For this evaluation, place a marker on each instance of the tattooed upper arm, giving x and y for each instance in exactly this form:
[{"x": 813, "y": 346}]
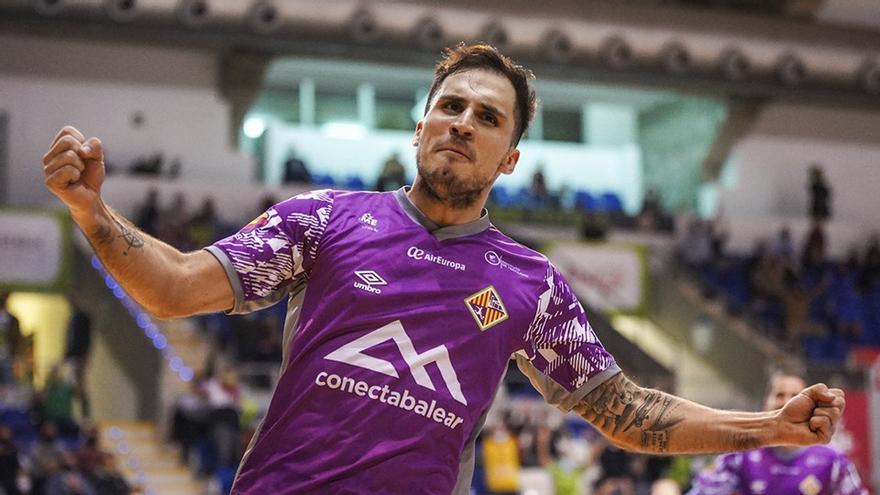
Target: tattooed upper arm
[{"x": 632, "y": 416}]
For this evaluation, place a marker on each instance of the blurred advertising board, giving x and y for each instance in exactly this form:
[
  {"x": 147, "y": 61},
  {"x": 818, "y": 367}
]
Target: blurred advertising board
[
  {"x": 34, "y": 250},
  {"x": 610, "y": 277}
]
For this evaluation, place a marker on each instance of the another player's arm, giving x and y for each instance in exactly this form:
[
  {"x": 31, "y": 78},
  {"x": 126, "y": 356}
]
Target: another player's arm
[
  {"x": 165, "y": 281},
  {"x": 650, "y": 421}
]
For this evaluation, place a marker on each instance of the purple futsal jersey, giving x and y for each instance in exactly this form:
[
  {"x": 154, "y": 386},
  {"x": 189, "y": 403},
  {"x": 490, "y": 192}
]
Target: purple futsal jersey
[
  {"x": 397, "y": 337},
  {"x": 815, "y": 470}
]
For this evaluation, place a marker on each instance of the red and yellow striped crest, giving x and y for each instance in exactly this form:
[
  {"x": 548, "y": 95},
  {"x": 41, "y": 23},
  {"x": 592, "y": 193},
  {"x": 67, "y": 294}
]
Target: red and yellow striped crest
[{"x": 486, "y": 308}]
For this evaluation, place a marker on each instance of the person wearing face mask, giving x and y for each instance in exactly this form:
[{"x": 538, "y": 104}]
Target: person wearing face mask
[{"x": 783, "y": 470}]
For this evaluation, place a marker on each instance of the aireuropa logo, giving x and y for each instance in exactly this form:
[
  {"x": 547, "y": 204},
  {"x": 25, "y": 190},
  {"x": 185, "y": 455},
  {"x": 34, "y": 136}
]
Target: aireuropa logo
[
  {"x": 353, "y": 354},
  {"x": 370, "y": 279},
  {"x": 420, "y": 254}
]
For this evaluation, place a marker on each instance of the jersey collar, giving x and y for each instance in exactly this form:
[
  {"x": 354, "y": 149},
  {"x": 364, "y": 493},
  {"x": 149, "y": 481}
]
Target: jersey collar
[{"x": 441, "y": 233}]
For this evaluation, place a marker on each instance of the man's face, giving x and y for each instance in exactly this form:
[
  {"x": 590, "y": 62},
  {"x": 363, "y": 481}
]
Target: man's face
[
  {"x": 465, "y": 140},
  {"x": 782, "y": 388}
]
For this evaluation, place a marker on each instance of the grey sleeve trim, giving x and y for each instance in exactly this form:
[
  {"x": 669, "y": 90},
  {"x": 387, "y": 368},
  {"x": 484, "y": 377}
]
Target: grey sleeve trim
[
  {"x": 554, "y": 393},
  {"x": 234, "y": 281}
]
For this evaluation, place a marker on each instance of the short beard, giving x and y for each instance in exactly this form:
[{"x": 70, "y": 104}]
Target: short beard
[{"x": 447, "y": 189}]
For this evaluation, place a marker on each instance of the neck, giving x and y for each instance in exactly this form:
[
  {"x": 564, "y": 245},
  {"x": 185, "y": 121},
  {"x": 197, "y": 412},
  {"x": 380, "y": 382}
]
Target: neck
[{"x": 440, "y": 213}]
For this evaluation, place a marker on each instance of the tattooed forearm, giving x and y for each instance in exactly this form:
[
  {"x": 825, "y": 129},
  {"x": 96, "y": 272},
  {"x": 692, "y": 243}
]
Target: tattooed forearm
[
  {"x": 651, "y": 421},
  {"x": 620, "y": 408}
]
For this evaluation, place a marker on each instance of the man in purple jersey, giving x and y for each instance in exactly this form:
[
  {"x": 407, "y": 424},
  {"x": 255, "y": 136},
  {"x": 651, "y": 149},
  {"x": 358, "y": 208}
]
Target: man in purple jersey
[
  {"x": 788, "y": 470},
  {"x": 404, "y": 309}
]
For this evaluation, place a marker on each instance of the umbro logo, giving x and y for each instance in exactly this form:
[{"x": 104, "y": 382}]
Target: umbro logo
[{"x": 369, "y": 280}]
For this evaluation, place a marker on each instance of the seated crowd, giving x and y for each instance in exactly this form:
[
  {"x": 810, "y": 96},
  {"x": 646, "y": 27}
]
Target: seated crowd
[
  {"x": 44, "y": 450},
  {"x": 803, "y": 300}
]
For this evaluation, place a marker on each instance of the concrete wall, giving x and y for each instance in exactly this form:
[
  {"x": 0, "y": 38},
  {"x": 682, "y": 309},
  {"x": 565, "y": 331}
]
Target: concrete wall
[{"x": 99, "y": 87}]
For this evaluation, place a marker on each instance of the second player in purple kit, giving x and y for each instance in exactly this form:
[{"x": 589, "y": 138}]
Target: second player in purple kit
[
  {"x": 813, "y": 470},
  {"x": 404, "y": 309}
]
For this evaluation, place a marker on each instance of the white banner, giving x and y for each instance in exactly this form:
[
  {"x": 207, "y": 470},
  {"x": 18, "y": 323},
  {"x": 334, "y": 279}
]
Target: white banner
[
  {"x": 31, "y": 248},
  {"x": 608, "y": 277}
]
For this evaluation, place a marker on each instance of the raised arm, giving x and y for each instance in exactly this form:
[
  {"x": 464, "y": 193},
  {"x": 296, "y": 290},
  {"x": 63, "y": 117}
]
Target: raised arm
[
  {"x": 165, "y": 281},
  {"x": 654, "y": 422}
]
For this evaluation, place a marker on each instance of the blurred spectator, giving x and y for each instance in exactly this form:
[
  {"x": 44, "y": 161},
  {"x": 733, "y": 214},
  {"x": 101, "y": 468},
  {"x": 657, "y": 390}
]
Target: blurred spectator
[
  {"x": 813, "y": 253},
  {"x": 651, "y": 216},
  {"x": 766, "y": 275},
  {"x": 564, "y": 468},
  {"x": 845, "y": 299},
  {"x": 783, "y": 246},
  {"x": 89, "y": 457},
  {"x": 54, "y": 404},
  {"x": 594, "y": 225},
  {"x": 151, "y": 165},
  {"x": 798, "y": 298},
  {"x": 296, "y": 170},
  {"x": 696, "y": 246},
  {"x": 172, "y": 226},
  {"x": 869, "y": 277},
  {"x": 79, "y": 342},
  {"x": 10, "y": 338},
  {"x": 189, "y": 424},
  {"x": 47, "y": 457},
  {"x": 69, "y": 482},
  {"x": 108, "y": 479},
  {"x": 267, "y": 347},
  {"x": 10, "y": 468},
  {"x": 147, "y": 217},
  {"x": 266, "y": 202},
  {"x": 616, "y": 478},
  {"x": 224, "y": 397},
  {"x": 820, "y": 195},
  {"x": 501, "y": 460},
  {"x": 204, "y": 227},
  {"x": 538, "y": 189},
  {"x": 393, "y": 175},
  {"x": 174, "y": 168}
]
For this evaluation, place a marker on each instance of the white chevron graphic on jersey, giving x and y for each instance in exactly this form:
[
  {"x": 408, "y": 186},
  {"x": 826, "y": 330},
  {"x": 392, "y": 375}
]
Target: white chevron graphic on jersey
[{"x": 352, "y": 354}]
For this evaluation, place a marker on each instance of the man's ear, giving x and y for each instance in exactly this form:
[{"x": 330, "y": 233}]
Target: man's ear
[
  {"x": 509, "y": 163},
  {"x": 419, "y": 126}
]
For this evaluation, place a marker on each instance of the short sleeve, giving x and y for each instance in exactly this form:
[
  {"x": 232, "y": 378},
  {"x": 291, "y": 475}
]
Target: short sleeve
[
  {"x": 276, "y": 250},
  {"x": 721, "y": 478},
  {"x": 561, "y": 354}
]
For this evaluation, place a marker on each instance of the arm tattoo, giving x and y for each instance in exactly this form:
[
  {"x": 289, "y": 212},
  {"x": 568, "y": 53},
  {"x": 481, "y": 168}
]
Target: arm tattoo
[
  {"x": 131, "y": 238},
  {"x": 104, "y": 236},
  {"x": 619, "y": 406}
]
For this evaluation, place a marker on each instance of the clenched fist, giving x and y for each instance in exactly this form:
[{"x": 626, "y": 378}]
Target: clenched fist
[
  {"x": 74, "y": 169},
  {"x": 812, "y": 415}
]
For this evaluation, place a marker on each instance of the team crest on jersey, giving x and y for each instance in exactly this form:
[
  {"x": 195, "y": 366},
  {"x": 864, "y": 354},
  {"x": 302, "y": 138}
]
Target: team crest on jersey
[
  {"x": 486, "y": 308},
  {"x": 810, "y": 485}
]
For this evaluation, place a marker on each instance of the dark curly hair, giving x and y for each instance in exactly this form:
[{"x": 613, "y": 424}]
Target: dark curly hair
[{"x": 481, "y": 56}]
